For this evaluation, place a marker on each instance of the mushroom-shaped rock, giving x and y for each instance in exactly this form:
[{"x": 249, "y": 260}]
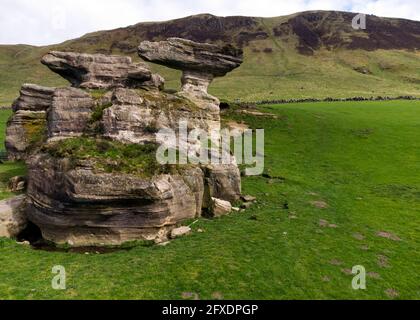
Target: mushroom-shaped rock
[
  {"x": 200, "y": 62},
  {"x": 97, "y": 71}
]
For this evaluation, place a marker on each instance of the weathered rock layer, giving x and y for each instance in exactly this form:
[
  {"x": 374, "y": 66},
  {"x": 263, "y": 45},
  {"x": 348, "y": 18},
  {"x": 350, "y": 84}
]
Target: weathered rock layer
[{"x": 83, "y": 207}]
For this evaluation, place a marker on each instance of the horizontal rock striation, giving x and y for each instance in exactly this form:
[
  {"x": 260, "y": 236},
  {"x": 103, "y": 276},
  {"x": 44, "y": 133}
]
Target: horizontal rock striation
[
  {"x": 185, "y": 54},
  {"x": 81, "y": 206},
  {"x": 33, "y": 98},
  {"x": 71, "y": 109}
]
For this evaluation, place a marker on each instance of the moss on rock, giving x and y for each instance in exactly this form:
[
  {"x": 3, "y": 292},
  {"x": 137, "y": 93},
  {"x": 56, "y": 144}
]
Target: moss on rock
[
  {"x": 167, "y": 101},
  {"x": 111, "y": 156},
  {"x": 35, "y": 132}
]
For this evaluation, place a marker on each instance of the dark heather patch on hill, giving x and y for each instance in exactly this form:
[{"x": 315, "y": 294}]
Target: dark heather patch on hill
[
  {"x": 309, "y": 40},
  {"x": 199, "y": 28},
  {"x": 334, "y": 30},
  {"x": 388, "y": 34}
]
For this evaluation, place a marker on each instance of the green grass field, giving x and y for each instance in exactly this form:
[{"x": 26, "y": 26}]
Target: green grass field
[{"x": 360, "y": 159}]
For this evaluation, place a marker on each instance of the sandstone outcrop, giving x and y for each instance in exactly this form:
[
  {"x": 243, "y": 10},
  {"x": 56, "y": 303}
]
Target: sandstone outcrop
[
  {"x": 93, "y": 177},
  {"x": 98, "y": 71},
  {"x": 24, "y": 130},
  {"x": 33, "y": 98}
]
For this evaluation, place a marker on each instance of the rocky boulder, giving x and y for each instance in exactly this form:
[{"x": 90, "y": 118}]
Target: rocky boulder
[
  {"x": 98, "y": 71},
  {"x": 220, "y": 207},
  {"x": 179, "y": 232},
  {"x": 25, "y": 129},
  {"x": 222, "y": 181},
  {"x": 12, "y": 216}
]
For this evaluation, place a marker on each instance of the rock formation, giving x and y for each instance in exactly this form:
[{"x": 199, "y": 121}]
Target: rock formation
[
  {"x": 93, "y": 177},
  {"x": 84, "y": 206},
  {"x": 98, "y": 71}
]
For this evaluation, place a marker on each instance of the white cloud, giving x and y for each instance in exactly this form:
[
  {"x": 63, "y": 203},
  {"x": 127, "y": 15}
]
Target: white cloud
[{"x": 50, "y": 21}]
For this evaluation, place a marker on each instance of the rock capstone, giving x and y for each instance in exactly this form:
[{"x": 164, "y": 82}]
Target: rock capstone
[
  {"x": 98, "y": 71},
  {"x": 200, "y": 62},
  {"x": 33, "y": 98}
]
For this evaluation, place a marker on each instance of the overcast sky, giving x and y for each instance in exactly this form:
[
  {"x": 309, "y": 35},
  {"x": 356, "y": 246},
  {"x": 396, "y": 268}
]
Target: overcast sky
[{"x": 44, "y": 22}]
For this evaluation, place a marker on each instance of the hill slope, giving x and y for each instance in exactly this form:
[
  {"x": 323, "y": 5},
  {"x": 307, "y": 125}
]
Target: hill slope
[{"x": 310, "y": 54}]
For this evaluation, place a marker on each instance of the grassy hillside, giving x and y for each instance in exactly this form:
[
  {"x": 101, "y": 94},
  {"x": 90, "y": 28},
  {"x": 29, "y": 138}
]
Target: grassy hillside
[
  {"x": 337, "y": 174},
  {"x": 306, "y": 55}
]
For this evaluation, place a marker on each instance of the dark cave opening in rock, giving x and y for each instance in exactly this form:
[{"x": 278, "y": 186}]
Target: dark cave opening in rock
[{"x": 31, "y": 233}]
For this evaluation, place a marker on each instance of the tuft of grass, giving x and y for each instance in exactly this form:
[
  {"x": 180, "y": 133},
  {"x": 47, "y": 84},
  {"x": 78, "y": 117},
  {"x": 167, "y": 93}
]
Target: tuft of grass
[
  {"x": 36, "y": 132},
  {"x": 99, "y": 111},
  {"x": 97, "y": 93}
]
